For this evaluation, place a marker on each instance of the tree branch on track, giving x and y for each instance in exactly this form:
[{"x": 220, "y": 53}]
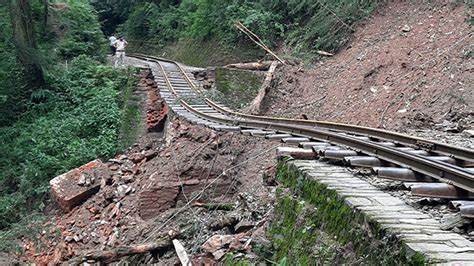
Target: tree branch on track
[{"x": 256, "y": 105}]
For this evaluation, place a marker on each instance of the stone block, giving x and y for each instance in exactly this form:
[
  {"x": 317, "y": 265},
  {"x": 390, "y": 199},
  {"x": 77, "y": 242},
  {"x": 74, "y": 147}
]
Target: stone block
[{"x": 76, "y": 186}]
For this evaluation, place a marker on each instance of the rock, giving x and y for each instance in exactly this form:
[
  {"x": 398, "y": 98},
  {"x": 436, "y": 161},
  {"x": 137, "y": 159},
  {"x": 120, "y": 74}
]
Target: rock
[
  {"x": 223, "y": 221},
  {"x": 109, "y": 195},
  {"x": 469, "y": 133},
  {"x": 162, "y": 197},
  {"x": 217, "y": 242},
  {"x": 218, "y": 254},
  {"x": 82, "y": 180},
  {"x": 449, "y": 222},
  {"x": 137, "y": 157},
  {"x": 150, "y": 155},
  {"x": 77, "y": 238},
  {"x": 116, "y": 161},
  {"x": 122, "y": 190},
  {"x": 406, "y": 28},
  {"x": 127, "y": 178},
  {"x": 243, "y": 226},
  {"x": 66, "y": 190},
  {"x": 402, "y": 111}
]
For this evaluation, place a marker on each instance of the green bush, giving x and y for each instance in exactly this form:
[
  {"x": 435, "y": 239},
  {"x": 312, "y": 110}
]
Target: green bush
[{"x": 77, "y": 120}]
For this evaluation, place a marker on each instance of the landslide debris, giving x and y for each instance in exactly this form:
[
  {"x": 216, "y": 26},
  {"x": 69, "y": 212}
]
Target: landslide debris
[
  {"x": 184, "y": 181},
  {"x": 408, "y": 66}
]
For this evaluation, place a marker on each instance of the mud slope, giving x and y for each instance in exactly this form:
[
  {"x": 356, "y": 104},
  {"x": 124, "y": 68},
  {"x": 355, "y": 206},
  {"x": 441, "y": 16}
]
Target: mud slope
[{"x": 410, "y": 65}]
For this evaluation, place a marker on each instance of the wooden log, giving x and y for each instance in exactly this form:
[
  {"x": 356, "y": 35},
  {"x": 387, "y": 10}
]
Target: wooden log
[
  {"x": 261, "y": 66},
  {"x": 256, "y": 105},
  {"x": 181, "y": 252},
  {"x": 115, "y": 254},
  {"x": 324, "y": 53}
]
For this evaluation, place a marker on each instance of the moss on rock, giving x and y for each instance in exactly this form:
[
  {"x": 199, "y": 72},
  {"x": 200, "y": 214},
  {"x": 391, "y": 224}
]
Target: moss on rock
[{"x": 313, "y": 225}]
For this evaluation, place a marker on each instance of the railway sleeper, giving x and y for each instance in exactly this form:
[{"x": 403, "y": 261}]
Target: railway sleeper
[
  {"x": 310, "y": 144},
  {"x": 438, "y": 190},
  {"x": 362, "y": 161},
  {"x": 400, "y": 174},
  {"x": 278, "y": 136},
  {"x": 294, "y": 140}
]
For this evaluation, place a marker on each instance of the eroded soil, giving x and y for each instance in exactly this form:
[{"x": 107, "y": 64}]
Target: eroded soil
[{"x": 409, "y": 65}]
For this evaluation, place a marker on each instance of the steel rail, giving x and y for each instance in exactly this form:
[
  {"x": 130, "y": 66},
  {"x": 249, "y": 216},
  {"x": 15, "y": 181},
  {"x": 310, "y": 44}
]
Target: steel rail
[
  {"x": 464, "y": 154},
  {"x": 433, "y": 146},
  {"x": 442, "y": 171}
]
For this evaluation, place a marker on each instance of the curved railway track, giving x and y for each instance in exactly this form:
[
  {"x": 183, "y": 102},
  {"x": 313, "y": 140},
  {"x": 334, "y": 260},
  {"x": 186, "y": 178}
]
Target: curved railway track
[{"x": 419, "y": 159}]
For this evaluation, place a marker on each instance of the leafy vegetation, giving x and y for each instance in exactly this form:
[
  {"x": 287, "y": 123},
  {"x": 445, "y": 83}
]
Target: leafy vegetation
[
  {"x": 76, "y": 113},
  {"x": 304, "y": 26},
  {"x": 236, "y": 88},
  {"x": 77, "y": 120}
]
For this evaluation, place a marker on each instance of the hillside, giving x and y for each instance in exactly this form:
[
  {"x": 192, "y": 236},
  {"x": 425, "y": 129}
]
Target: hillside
[{"x": 408, "y": 66}]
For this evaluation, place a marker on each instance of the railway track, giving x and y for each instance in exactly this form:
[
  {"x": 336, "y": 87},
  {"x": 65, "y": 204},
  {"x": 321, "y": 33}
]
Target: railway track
[{"x": 440, "y": 170}]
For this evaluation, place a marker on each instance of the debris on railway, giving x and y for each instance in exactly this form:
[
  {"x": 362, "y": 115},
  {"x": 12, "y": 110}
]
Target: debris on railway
[
  {"x": 151, "y": 181},
  {"x": 207, "y": 185}
]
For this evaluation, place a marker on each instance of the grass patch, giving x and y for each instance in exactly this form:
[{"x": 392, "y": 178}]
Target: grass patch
[{"x": 236, "y": 88}]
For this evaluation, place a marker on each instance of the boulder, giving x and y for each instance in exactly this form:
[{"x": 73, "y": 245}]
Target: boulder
[{"x": 76, "y": 186}]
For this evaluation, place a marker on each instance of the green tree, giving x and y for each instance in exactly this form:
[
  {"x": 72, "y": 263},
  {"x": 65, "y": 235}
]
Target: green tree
[{"x": 25, "y": 42}]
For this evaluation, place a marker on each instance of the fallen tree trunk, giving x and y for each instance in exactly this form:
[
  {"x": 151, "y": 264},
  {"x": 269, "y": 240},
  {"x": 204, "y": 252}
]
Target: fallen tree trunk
[
  {"x": 256, "y": 105},
  {"x": 265, "y": 65},
  {"x": 257, "y": 40},
  {"x": 115, "y": 254}
]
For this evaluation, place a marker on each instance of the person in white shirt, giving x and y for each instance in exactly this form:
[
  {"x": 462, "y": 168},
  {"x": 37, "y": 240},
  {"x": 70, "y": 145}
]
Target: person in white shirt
[
  {"x": 112, "y": 40},
  {"x": 120, "y": 45}
]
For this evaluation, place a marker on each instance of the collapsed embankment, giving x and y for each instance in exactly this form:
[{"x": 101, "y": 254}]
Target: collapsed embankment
[{"x": 178, "y": 178}]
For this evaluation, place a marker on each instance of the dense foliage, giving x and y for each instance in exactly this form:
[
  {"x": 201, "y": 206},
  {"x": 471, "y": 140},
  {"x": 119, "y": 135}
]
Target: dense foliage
[
  {"x": 73, "y": 118},
  {"x": 77, "y": 121},
  {"x": 305, "y": 26}
]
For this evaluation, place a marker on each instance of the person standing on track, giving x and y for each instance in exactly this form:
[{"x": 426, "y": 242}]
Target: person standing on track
[
  {"x": 112, "y": 40},
  {"x": 120, "y": 45}
]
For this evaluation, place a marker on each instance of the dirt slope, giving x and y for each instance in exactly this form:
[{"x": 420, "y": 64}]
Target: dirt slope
[{"x": 409, "y": 65}]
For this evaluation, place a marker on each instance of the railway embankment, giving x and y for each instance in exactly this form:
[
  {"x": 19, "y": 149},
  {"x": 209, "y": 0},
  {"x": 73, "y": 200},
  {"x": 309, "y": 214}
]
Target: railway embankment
[{"x": 327, "y": 206}]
